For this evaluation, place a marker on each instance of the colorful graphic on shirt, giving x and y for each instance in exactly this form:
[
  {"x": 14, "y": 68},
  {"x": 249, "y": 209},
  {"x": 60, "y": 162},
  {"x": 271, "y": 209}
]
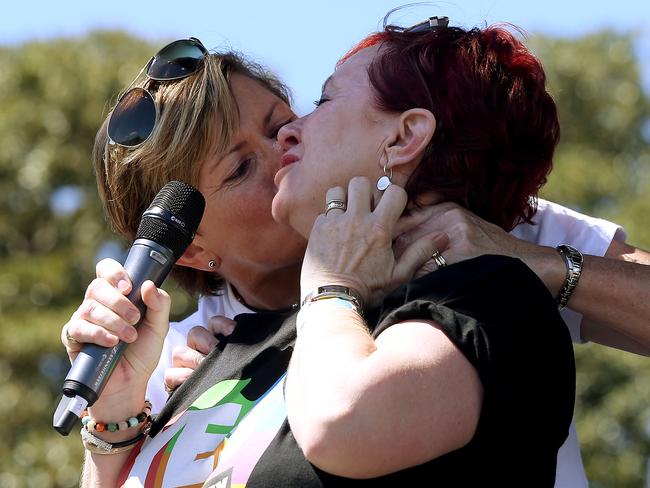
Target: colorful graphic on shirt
[
  {"x": 187, "y": 450},
  {"x": 248, "y": 442}
]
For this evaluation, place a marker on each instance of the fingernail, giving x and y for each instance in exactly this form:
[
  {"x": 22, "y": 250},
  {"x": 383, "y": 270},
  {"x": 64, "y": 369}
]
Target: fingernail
[
  {"x": 130, "y": 334},
  {"x": 122, "y": 285},
  {"x": 133, "y": 316}
]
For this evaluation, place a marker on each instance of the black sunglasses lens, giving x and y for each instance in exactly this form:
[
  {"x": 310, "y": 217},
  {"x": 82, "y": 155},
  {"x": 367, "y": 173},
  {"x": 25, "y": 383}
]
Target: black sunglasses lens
[
  {"x": 177, "y": 60},
  {"x": 133, "y": 118}
]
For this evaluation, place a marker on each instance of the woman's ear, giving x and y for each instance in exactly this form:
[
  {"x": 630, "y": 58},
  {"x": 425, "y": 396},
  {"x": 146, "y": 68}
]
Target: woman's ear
[
  {"x": 414, "y": 131},
  {"x": 197, "y": 257}
]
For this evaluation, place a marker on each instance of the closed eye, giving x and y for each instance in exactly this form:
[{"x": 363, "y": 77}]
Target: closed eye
[
  {"x": 242, "y": 169},
  {"x": 321, "y": 101}
]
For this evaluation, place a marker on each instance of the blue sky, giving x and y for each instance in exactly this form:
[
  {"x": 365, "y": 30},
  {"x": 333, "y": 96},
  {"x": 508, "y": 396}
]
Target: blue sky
[{"x": 301, "y": 40}]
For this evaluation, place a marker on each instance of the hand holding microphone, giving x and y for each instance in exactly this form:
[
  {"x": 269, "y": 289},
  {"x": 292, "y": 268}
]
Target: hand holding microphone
[{"x": 166, "y": 229}]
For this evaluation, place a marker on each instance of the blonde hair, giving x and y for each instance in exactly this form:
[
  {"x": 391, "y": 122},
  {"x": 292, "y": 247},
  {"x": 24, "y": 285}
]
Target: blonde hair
[{"x": 197, "y": 117}]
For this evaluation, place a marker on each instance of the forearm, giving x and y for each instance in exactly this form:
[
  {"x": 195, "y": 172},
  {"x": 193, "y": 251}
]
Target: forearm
[
  {"x": 615, "y": 302},
  {"x": 103, "y": 470},
  {"x": 331, "y": 347},
  {"x": 346, "y": 394},
  {"x": 613, "y": 294}
]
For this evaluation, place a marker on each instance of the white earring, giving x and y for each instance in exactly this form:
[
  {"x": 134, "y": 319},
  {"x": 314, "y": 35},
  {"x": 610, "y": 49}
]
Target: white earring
[
  {"x": 211, "y": 264},
  {"x": 385, "y": 181}
]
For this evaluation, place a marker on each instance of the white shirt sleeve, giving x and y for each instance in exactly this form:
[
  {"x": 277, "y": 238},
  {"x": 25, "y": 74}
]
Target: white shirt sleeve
[{"x": 555, "y": 225}]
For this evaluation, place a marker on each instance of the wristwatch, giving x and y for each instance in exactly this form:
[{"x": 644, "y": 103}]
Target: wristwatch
[{"x": 573, "y": 260}]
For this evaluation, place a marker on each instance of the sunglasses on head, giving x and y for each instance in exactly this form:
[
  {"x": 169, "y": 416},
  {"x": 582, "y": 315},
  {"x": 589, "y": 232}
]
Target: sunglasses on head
[
  {"x": 134, "y": 117},
  {"x": 430, "y": 24}
]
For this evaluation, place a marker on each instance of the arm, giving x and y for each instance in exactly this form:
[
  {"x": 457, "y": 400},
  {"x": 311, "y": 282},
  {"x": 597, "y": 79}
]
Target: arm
[
  {"x": 614, "y": 299},
  {"x": 612, "y": 290},
  {"x": 96, "y": 322},
  {"x": 344, "y": 412}
]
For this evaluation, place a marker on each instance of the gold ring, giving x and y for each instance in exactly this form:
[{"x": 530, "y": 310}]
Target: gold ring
[
  {"x": 69, "y": 338},
  {"x": 335, "y": 204},
  {"x": 439, "y": 259}
]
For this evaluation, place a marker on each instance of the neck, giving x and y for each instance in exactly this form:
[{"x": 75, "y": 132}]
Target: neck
[{"x": 276, "y": 290}]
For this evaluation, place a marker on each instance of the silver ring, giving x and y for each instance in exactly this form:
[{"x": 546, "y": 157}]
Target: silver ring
[
  {"x": 438, "y": 259},
  {"x": 335, "y": 204},
  {"x": 69, "y": 338}
]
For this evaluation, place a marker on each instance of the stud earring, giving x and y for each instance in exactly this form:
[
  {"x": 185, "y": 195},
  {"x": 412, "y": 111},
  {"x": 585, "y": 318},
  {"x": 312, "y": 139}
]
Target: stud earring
[
  {"x": 211, "y": 264},
  {"x": 385, "y": 181}
]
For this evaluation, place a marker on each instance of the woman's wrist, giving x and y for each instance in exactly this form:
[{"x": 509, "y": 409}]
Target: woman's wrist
[
  {"x": 117, "y": 424},
  {"x": 549, "y": 266}
]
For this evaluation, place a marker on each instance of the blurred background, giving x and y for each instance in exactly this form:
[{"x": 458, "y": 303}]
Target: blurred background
[{"x": 62, "y": 65}]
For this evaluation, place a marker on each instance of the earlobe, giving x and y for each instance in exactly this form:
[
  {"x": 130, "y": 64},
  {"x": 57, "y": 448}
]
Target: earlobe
[
  {"x": 413, "y": 134},
  {"x": 197, "y": 257}
]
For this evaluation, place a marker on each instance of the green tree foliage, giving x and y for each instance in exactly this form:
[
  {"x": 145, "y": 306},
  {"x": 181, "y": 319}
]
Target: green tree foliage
[
  {"x": 603, "y": 162},
  {"x": 56, "y": 93},
  {"x": 602, "y": 167},
  {"x": 54, "y": 97}
]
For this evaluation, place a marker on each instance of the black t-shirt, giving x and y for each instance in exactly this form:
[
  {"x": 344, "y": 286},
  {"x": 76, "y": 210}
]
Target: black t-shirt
[{"x": 493, "y": 308}]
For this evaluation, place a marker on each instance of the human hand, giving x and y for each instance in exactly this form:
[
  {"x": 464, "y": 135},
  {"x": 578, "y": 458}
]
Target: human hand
[
  {"x": 106, "y": 317},
  {"x": 353, "y": 247},
  {"x": 468, "y": 236},
  {"x": 200, "y": 343}
]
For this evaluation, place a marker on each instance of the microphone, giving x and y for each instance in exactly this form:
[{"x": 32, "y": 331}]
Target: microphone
[{"x": 166, "y": 229}]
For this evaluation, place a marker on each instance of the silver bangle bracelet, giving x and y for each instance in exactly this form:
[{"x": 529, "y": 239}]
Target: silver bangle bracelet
[
  {"x": 334, "y": 291},
  {"x": 94, "y": 444}
]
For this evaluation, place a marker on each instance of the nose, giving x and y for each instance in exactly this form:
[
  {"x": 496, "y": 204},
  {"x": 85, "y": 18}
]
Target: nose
[{"x": 289, "y": 135}]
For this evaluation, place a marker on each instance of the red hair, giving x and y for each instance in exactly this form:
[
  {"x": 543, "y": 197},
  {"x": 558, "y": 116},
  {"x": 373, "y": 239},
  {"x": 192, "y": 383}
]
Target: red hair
[{"x": 497, "y": 126}]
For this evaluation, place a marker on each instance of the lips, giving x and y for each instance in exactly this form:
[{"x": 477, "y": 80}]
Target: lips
[{"x": 288, "y": 159}]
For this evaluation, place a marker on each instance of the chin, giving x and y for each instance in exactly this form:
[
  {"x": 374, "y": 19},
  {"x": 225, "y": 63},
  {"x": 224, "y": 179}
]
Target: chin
[{"x": 279, "y": 210}]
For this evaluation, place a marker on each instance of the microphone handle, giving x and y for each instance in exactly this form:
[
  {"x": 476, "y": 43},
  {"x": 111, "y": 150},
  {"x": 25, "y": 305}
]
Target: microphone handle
[{"x": 93, "y": 366}]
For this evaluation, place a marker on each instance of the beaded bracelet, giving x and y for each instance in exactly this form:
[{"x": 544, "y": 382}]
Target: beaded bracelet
[{"x": 92, "y": 425}]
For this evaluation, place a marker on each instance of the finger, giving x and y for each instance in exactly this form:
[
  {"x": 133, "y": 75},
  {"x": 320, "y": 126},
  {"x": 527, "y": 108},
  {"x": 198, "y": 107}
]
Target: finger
[
  {"x": 103, "y": 292},
  {"x": 418, "y": 255},
  {"x": 221, "y": 326},
  {"x": 201, "y": 340},
  {"x": 359, "y": 195},
  {"x": 413, "y": 219},
  {"x": 78, "y": 332},
  {"x": 115, "y": 274},
  {"x": 96, "y": 313},
  {"x": 175, "y": 377},
  {"x": 391, "y": 206},
  {"x": 186, "y": 357},
  {"x": 158, "y": 303},
  {"x": 336, "y": 193}
]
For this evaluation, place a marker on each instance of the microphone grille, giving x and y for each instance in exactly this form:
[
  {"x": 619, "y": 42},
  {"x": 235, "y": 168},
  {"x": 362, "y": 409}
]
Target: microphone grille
[{"x": 173, "y": 217}]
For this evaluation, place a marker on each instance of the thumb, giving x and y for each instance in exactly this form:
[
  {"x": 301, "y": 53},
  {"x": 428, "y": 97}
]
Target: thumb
[
  {"x": 158, "y": 304},
  {"x": 412, "y": 220}
]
